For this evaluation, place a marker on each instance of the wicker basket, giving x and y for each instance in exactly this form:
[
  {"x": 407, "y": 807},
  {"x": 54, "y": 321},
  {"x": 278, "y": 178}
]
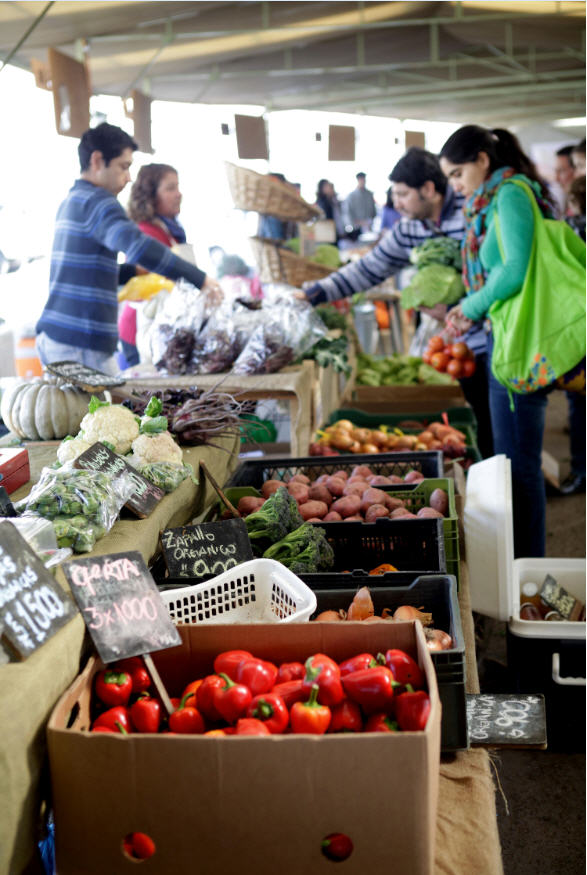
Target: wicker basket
[
  {"x": 253, "y": 191},
  {"x": 277, "y": 264}
]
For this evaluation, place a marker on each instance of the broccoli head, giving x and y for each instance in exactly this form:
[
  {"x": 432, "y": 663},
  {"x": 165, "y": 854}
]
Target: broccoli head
[
  {"x": 274, "y": 519},
  {"x": 303, "y": 551}
]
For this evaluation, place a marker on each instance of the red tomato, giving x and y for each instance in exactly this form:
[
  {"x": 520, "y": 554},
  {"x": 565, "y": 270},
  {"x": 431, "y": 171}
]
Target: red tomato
[
  {"x": 459, "y": 350},
  {"x": 439, "y": 360},
  {"x": 436, "y": 343},
  {"x": 426, "y": 356},
  {"x": 455, "y": 368},
  {"x": 469, "y": 367}
]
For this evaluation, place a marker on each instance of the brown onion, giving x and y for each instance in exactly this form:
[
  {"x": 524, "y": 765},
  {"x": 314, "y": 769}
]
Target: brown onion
[
  {"x": 330, "y": 617},
  {"x": 408, "y": 612}
]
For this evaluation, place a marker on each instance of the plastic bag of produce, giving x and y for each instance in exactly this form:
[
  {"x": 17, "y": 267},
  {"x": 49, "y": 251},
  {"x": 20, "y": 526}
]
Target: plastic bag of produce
[
  {"x": 166, "y": 475},
  {"x": 293, "y": 328},
  {"x": 175, "y": 327},
  {"x": 82, "y": 505}
]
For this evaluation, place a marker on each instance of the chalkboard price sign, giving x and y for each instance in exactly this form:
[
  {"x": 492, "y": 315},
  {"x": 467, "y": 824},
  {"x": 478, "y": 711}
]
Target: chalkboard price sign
[
  {"x": 32, "y": 606},
  {"x": 496, "y": 720},
  {"x": 205, "y": 550},
  {"x": 121, "y": 605},
  {"x": 88, "y": 378},
  {"x": 146, "y": 495}
]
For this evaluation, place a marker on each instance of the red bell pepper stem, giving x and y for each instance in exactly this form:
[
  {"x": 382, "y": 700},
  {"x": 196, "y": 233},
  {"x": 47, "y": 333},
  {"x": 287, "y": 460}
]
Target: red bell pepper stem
[
  {"x": 186, "y": 720},
  {"x": 271, "y": 709},
  {"x": 310, "y": 716},
  {"x": 113, "y": 687},
  {"x": 231, "y": 700}
]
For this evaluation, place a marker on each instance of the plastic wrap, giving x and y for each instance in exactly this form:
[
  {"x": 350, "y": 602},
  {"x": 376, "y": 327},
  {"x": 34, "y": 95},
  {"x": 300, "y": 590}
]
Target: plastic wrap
[
  {"x": 82, "y": 505},
  {"x": 223, "y": 338},
  {"x": 176, "y": 326},
  {"x": 166, "y": 475}
]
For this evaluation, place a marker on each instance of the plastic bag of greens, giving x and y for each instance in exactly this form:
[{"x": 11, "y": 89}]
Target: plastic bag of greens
[
  {"x": 82, "y": 505},
  {"x": 167, "y": 475}
]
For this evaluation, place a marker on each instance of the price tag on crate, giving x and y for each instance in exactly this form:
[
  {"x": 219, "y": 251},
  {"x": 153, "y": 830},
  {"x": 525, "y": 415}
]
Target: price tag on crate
[
  {"x": 32, "y": 605},
  {"x": 207, "y": 549},
  {"x": 89, "y": 379},
  {"x": 499, "y": 720},
  {"x": 146, "y": 495},
  {"x": 121, "y": 605}
]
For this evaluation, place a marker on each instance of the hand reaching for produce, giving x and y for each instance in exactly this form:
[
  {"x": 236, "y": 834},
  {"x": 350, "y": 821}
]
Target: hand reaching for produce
[
  {"x": 456, "y": 322},
  {"x": 214, "y": 291},
  {"x": 438, "y": 312}
]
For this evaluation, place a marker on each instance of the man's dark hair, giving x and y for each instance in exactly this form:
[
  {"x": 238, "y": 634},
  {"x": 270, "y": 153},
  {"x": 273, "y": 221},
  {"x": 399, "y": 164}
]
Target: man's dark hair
[
  {"x": 361, "y": 175},
  {"x": 418, "y": 166},
  {"x": 110, "y": 140},
  {"x": 565, "y": 152}
]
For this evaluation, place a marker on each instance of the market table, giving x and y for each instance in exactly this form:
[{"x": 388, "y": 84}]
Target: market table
[{"x": 30, "y": 689}]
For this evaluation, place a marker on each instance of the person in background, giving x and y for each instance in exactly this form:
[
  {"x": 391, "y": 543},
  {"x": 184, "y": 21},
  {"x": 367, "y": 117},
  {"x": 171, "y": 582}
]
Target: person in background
[
  {"x": 237, "y": 275},
  {"x": 328, "y": 202},
  {"x": 578, "y": 159},
  {"x": 478, "y": 163},
  {"x": 564, "y": 173},
  {"x": 270, "y": 227},
  {"x": 389, "y": 214},
  {"x": 429, "y": 208},
  {"x": 576, "y": 199},
  {"x": 358, "y": 209},
  {"x": 79, "y": 320},
  {"x": 154, "y": 204}
]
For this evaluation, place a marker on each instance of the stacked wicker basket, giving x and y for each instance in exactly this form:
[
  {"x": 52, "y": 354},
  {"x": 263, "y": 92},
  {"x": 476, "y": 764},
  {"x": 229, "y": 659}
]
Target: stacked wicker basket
[{"x": 262, "y": 194}]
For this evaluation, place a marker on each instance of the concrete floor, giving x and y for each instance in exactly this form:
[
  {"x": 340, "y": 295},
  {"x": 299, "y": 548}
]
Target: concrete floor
[{"x": 541, "y": 814}]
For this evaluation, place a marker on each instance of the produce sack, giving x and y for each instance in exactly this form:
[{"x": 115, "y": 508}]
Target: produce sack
[
  {"x": 82, "y": 505},
  {"x": 539, "y": 333}
]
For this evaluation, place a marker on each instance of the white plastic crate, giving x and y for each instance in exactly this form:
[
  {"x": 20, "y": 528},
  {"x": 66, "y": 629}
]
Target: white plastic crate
[{"x": 259, "y": 591}]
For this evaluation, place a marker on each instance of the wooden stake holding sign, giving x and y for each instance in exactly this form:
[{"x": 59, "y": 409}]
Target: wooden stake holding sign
[
  {"x": 219, "y": 491},
  {"x": 123, "y": 610}
]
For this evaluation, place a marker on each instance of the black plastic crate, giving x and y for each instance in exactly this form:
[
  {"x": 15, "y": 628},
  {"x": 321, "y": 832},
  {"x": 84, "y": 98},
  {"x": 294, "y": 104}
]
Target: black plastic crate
[
  {"x": 254, "y": 472},
  {"x": 437, "y": 594},
  {"x": 409, "y": 545}
]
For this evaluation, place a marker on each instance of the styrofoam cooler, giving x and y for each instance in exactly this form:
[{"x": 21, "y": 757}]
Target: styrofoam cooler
[{"x": 543, "y": 657}]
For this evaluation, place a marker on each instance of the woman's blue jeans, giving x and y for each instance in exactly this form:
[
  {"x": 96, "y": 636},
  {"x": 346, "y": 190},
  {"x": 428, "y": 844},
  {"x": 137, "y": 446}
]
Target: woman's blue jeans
[{"x": 518, "y": 434}]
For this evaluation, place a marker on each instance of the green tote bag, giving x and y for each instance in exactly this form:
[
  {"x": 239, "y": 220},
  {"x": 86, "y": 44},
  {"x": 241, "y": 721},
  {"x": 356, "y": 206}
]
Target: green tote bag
[{"x": 539, "y": 333}]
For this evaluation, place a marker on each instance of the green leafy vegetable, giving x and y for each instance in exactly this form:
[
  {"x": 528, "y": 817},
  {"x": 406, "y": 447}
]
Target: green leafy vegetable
[
  {"x": 95, "y": 403},
  {"x": 154, "y": 407},
  {"x": 433, "y": 284}
]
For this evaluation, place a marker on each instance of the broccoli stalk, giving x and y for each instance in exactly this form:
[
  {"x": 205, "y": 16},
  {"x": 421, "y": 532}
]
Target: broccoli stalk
[
  {"x": 274, "y": 519},
  {"x": 303, "y": 551}
]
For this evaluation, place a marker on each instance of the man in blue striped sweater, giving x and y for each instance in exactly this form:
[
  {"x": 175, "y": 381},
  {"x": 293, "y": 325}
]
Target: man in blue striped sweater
[{"x": 79, "y": 321}]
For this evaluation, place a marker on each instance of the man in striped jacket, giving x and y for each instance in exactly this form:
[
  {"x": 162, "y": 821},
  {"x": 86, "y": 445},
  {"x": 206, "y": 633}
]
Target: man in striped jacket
[{"x": 79, "y": 321}]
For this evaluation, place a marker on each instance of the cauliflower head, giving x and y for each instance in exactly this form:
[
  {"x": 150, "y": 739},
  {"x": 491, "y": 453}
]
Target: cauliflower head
[
  {"x": 112, "y": 423},
  {"x": 156, "y": 448},
  {"x": 69, "y": 450}
]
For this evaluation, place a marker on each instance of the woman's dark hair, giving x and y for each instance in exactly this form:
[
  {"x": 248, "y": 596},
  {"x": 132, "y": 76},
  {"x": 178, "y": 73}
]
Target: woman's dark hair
[
  {"x": 418, "y": 167},
  {"x": 320, "y": 189},
  {"x": 389, "y": 197},
  {"x": 143, "y": 194},
  {"x": 501, "y": 147},
  {"x": 577, "y": 193},
  {"x": 110, "y": 140}
]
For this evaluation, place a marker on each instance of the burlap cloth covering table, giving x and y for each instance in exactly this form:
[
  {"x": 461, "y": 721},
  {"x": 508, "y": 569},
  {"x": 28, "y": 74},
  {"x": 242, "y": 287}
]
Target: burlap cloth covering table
[
  {"x": 30, "y": 689},
  {"x": 467, "y": 840}
]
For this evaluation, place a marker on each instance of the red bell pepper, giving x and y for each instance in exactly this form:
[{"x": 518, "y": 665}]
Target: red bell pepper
[
  {"x": 134, "y": 665},
  {"x": 357, "y": 663},
  {"x": 231, "y": 700},
  {"x": 192, "y": 688},
  {"x": 272, "y": 710},
  {"x": 116, "y": 719},
  {"x": 337, "y": 846},
  {"x": 139, "y": 846},
  {"x": 216, "y": 732},
  {"x": 371, "y": 688},
  {"x": 113, "y": 687},
  {"x": 256, "y": 674},
  {"x": 120, "y": 731},
  {"x": 146, "y": 714},
  {"x": 381, "y": 723},
  {"x": 346, "y": 717},
  {"x": 290, "y": 671},
  {"x": 205, "y": 697},
  {"x": 186, "y": 720},
  {"x": 324, "y": 672},
  {"x": 229, "y": 661},
  {"x": 290, "y": 691},
  {"x": 251, "y": 726},
  {"x": 412, "y": 710},
  {"x": 405, "y": 669},
  {"x": 310, "y": 717}
]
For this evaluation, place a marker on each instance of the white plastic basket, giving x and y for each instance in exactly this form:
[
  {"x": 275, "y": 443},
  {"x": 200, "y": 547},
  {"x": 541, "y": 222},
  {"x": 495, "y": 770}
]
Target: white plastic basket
[{"x": 259, "y": 591}]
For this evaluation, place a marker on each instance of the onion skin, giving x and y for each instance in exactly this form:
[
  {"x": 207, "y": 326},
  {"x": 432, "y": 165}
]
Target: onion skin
[
  {"x": 407, "y": 612},
  {"x": 436, "y": 639},
  {"x": 362, "y": 605}
]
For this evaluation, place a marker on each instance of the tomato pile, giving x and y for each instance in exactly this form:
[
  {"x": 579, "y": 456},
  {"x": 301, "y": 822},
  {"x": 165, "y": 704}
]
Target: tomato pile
[
  {"x": 455, "y": 359},
  {"x": 251, "y": 696}
]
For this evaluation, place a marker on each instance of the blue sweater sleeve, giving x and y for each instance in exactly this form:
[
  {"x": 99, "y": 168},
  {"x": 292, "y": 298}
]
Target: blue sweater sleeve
[
  {"x": 117, "y": 232},
  {"x": 505, "y": 273}
]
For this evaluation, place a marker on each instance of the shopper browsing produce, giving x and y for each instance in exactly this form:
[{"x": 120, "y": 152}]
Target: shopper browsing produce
[{"x": 79, "y": 321}]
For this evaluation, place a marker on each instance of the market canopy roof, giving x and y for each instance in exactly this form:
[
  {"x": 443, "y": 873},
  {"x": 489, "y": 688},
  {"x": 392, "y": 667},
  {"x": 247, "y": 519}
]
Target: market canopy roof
[{"x": 477, "y": 61}]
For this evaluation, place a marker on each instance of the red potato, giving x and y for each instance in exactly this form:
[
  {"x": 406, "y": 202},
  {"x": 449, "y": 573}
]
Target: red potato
[
  {"x": 320, "y": 493},
  {"x": 335, "y": 485},
  {"x": 300, "y": 492},
  {"x": 428, "y": 513},
  {"x": 271, "y": 486},
  {"x": 342, "y": 474},
  {"x": 380, "y": 480},
  {"x": 396, "y": 479},
  {"x": 392, "y": 503},
  {"x": 312, "y": 509},
  {"x": 300, "y": 478},
  {"x": 400, "y": 512},
  {"x": 354, "y": 519},
  {"x": 413, "y": 477},
  {"x": 249, "y": 504},
  {"x": 355, "y": 488},
  {"x": 313, "y": 519},
  {"x": 439, "y": 501},
  {"x": 350, "y": 505},
  {"x": 321, "y": 479},
  {"x": 372, "y": 496},
  {"x": 374, "y": 512},
  {"x": 361, "y": 471},
  {"x": 332, "y": 517}
]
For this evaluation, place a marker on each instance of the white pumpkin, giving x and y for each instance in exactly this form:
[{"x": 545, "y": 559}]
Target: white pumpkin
[{"x": 40, "y": 410}]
